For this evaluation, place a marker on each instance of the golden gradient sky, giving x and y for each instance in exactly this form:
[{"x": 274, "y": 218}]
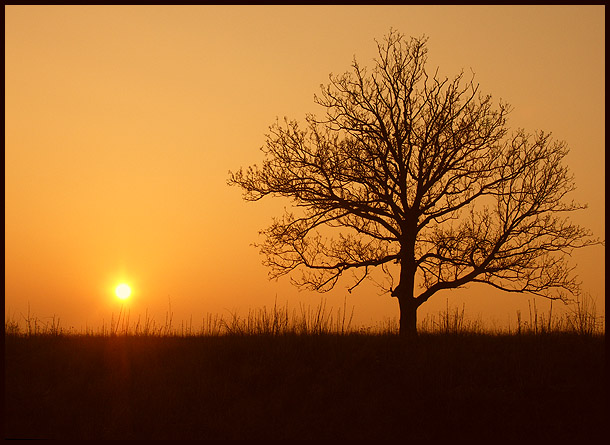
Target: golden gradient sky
[{"x": 122, "y": 123}]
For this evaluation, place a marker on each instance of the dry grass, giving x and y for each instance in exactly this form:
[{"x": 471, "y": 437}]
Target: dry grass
[
  {"x": 308, "y": 374},
  {"x": 580, "y": 318},
  {"x": 436, "y": 387}
]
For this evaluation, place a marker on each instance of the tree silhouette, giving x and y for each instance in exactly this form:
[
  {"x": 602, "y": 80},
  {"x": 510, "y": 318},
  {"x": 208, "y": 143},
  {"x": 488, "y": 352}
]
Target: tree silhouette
[{"x": 416, "y": 177}]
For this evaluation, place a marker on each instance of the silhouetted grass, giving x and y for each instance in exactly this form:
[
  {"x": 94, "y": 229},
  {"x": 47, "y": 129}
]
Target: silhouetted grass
[
  {"x": 581, "y": 318},
  {"x": 274, "y": 376}
]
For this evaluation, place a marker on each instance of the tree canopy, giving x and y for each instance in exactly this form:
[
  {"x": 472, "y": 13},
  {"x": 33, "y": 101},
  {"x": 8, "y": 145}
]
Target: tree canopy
[{"x": 419, "y": 177}]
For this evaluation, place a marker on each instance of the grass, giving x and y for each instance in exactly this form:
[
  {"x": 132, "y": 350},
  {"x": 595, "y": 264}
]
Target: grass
[
  {"x": 308, "y": 374},
  {"x": 580, "y": 318}
]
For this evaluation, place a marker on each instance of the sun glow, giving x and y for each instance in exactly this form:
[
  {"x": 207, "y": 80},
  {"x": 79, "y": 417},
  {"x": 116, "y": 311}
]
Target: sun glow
[{"x": 123, "y": 291}]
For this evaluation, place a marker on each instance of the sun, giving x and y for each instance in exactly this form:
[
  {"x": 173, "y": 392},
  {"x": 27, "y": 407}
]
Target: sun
[{"x": 123, "y": 291}]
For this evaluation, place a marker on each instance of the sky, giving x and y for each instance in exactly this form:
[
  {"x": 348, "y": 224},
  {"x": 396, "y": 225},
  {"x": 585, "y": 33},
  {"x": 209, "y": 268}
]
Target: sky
[{"x": 123, "y": 122}]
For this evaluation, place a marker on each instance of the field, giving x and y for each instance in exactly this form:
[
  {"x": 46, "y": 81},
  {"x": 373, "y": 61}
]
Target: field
[{"x": 455, "y": 382}]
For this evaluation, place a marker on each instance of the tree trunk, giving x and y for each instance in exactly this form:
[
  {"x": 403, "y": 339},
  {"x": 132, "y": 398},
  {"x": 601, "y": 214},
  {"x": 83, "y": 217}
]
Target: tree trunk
[
  {"x": 408, "y": 316},
  {"x": 404, "y": 292}
]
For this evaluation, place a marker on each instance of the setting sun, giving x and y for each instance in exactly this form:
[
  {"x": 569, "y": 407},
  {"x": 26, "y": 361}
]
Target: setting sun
[{"x": 123, "y": 291}]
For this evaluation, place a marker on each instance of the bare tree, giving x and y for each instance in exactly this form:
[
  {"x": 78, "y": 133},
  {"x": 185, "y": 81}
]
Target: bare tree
[{"x": 416, "y": 177}]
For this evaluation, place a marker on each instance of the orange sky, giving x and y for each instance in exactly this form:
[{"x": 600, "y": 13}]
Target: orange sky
[{"x": 122, "y": 123}]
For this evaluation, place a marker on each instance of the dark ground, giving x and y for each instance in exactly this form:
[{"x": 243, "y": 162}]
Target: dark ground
[{"x": 448, "y": 387}]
